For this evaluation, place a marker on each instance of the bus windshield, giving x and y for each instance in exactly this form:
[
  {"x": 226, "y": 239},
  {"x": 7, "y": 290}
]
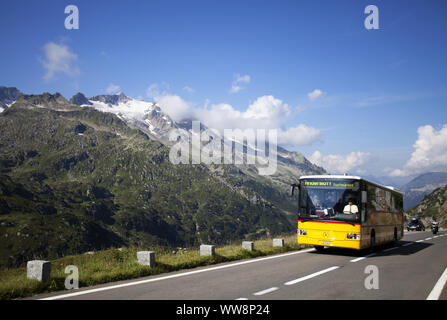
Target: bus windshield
[{"x": 330, "y": 199}]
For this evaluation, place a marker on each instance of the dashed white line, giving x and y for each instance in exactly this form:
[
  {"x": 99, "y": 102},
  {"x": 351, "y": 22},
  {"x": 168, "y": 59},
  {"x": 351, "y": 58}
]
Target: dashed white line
[
  {"x": 420, "y": 240},
  {"x": 393, "y": 248},
  {"x": 260, "y": 293},
  {"x": 310, "y": 276},
  {"x": 437, "y": 289},
  {"x": 361, "y": 258},
  {"x": 428, "y": 238}
]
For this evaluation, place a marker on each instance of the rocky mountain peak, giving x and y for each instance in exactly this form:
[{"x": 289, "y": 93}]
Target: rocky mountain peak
[
  {"x": 80, "y": 99},
  {"x": 8, "y": 95},
  {"x": 46, "y": 99},
  {"x": 112, "y": 99}
]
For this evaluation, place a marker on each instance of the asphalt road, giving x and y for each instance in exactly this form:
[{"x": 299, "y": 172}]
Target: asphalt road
[{"x": 409, "y": 269}]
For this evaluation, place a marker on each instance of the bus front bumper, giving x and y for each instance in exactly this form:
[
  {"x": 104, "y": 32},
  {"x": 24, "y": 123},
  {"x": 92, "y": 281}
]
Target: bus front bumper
[{"x": 329, "y": 234}]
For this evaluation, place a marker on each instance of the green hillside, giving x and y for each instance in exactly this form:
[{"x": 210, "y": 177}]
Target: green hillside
[
  {"x": 74, "y": 179},
  {"x": 433, "y": 205}
]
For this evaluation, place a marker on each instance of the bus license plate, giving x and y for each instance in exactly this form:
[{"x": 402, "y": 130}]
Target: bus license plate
[{"x": 325, "y": 242}]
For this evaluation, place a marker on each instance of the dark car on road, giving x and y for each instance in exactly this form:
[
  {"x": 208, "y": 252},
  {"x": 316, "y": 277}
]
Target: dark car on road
[{"x": 415, "y": 224}]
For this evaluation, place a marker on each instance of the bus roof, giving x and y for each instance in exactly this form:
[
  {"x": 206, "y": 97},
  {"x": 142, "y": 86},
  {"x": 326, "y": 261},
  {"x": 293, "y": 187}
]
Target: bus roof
[
  {"x": 328, "y": 176},
  {"x": 339, "y": 176}
]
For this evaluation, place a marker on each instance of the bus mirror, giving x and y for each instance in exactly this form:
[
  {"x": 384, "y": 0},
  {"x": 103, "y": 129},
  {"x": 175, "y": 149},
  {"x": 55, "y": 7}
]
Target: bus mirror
[
  {"x": 292, "y": 189},
  {"x": 364, "y": 197}
]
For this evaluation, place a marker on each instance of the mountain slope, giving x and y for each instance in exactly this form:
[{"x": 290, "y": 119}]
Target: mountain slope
[
  {"x": 74, "y": 179},
  {"x": 150, "y": 118},
  {"x": 415, "y": 190},
  {"x": 433, "y": 205}
]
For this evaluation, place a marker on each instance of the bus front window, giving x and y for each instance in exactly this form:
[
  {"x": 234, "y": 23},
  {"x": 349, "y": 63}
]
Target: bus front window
[{"x": 330, "y": 200}]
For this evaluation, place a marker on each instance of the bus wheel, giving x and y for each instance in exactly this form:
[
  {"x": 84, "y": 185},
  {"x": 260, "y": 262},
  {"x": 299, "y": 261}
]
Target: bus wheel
[{"x": 319, "y": 248}]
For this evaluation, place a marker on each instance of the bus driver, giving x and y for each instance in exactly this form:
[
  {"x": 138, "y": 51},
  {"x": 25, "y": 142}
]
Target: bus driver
[{"x": 350, "y": 208}]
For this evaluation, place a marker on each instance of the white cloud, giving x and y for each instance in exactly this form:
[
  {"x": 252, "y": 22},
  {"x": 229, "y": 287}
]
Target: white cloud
[
  {"x": 430, "y": 153},
  {"x": 177, "y": 108},
  {"x": 188, "y": 89},
  {"x": 239, "y": 82},
  {"x": 266, "y": 112},
  {"x": 314, "y": 94},
  {"x": 59, "y": 58},
  {"x": 112, "y": 88},
  {"x": 335, "y": 163},
  {"x": 298, "y": 136}
]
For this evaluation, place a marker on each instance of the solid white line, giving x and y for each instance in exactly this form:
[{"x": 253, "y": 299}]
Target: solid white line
[
  {"x": 437, "y": 289},
  {"x": 73, "y": 294},
  {"x": 260, "y": 293},
  {"x": 361, "y": 258},
  {"x": 310, "y": 276}
]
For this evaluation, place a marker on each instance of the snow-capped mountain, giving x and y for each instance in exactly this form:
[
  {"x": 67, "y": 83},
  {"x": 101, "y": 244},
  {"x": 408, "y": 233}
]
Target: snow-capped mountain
[
  {"x": 199, "y": 141},
  {"x": 151, "y": 119},
  {"x": 147, "y": 116}
]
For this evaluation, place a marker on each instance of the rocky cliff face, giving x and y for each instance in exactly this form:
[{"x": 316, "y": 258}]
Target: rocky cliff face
[{"x": 432, "y": 205}]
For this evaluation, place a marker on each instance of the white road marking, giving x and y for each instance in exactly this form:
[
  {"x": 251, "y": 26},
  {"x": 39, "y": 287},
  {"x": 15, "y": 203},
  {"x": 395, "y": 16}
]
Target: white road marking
[
  {"x": 428, "y": 238},
  {"x": 310, "y": 276},
  {"x": 437, "y": 289},
  {"x": 361, "y": 258},
  {"x": 260, "y": 293},
  {"x": 241, "y": 299},
  {"x": 407, "y": 244},
  {"x": 420, "y": 240},
  {"x": 128, "y": 284}
]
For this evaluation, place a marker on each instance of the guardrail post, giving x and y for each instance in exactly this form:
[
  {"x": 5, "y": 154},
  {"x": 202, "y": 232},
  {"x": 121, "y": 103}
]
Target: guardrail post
[
  {"x": 278, "y": 242},
  {"x": 38, "y": 270},
  {"x": 248, "y": 245},
  {"x": 207, "y": 250},
  {"x": 146, "y": 258}
]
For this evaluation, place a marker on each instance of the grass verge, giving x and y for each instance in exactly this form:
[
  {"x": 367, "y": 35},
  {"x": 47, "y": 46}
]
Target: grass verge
[{"x": 121, "y": 264}]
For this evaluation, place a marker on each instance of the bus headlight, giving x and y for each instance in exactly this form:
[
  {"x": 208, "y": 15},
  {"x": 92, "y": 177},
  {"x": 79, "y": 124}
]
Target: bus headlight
[
  {"x": 355, "y": 236},
  {"x": 302, "y": 232}
]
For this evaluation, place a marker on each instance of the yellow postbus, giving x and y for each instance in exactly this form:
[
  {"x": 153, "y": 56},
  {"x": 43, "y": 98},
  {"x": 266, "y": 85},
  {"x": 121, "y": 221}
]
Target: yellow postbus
[{"x": 347, "y": 211}]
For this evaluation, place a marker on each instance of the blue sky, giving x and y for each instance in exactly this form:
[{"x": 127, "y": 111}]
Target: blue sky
[{"x": 373, "y": 89}]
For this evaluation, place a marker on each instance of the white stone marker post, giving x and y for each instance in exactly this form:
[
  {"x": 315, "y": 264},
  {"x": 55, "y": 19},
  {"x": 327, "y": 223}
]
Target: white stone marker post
[
  {"x": 207, "y": 250},
  {"x": 248, "y": 245},
  {"x": 278, "y": 242},
  {"x": 146, "y": 258},
  {"x": 38, "y": 270}
]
